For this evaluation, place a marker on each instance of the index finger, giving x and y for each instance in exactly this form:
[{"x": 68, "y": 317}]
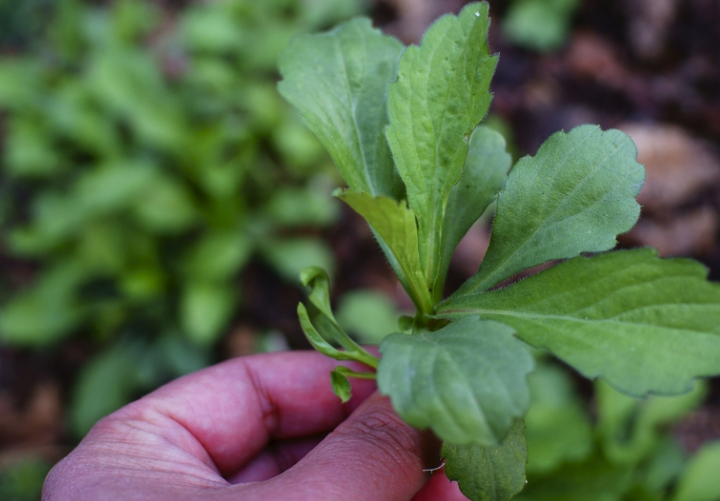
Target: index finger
[{"x": 227, "y": 413}]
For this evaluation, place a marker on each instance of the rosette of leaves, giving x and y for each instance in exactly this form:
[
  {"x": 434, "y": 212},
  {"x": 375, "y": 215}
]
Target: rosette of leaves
[{"x": 403, "y": 126}]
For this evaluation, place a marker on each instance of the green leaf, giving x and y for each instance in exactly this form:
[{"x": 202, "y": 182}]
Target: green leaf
[
  {"x": 218, "y": 255},
  {"x": 539, "y": 24},
  {"x": 557, "y": 427},
  {"x": 641, "y": 323},
  {"x": 368, "y": 314},
  {"x": 395, "y": 227},
  {"x": 574, "y": 196},
  {"x": 105, "y": 384},
  {"x": 48, "y": 311},
  {"x": 318, "y": 281},
  {"x": 484, "y": 174},
  {"x": 441, "y": 94},
  {"x": 700, "y": 481},
  {"x": 291, "y": 256},
  {"x": 465, "y": 381},
  {"x": 205, "y": 309},
  {"x": 489, "y": 473},
  {"x": 631, "y": 429},
  {"x": 593, "y": 480},
  {"x": 316, "y": 340},
  {"x": 338, "y": 82},
  {"x": 166, "y": 206},
  {"x": 340, "y": 385}
]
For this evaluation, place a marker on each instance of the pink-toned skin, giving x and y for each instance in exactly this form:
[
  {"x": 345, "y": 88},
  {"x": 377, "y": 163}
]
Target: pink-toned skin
[{"x": 251, "y": 429}]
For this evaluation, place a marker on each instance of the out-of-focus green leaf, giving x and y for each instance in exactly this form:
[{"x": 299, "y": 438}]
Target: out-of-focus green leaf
[
  {"x": 105, "y": 384},
  {"x": 539, "y": 24},
  {"x": 595, "y": 479},
  {"x": 45, "y": 313},
  {"x": 370, "y": 315},
  {"x": 557, "y": 428},
  {"x": 700, "y": 481},
  {"x": 28, "y": 150},
  {"x": 218, "y": 255},
  {"x": 23, "y": 481},
  {"x": 290, "y": 256},
  {"x": 205, "y": 309},
  {"x": 631, "y": 428},
  {"x": 302, "y": 206},
  {"x": 165, "y": 206}
]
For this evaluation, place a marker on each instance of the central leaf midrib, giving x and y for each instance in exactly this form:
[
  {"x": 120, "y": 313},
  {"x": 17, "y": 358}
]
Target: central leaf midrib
[{"x": 567, "y": 318}]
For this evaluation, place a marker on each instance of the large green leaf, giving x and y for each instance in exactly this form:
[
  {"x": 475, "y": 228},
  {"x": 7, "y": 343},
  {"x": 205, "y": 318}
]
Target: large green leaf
[
  {"x": 441, "y": 94},
  {"x": 466, "y": 381},
  {"x": 484, "y": 174},
  {"x": 576, "y": 195},
  {"x": 489, "y": 473},
  {"x": 338, "y": 81},
  {"x": 396, "y": 230},
  {"x": 641, "y": 323}
]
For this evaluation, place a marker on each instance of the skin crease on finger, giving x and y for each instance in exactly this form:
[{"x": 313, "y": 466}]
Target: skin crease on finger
[{"x": 183, "y": 441}]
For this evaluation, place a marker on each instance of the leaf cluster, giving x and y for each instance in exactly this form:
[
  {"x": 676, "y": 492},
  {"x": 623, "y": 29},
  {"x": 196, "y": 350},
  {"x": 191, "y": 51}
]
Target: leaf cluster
[{"x": 403, "y": 126}]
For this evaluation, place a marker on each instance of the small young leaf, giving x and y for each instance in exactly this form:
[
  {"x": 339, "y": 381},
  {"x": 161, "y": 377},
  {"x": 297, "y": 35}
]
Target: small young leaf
[
  {"x": 641, "y": 323},
  {"x": 441, "y": 94},
  {"x": 340, "y": 385},
  {"x": 318, "y": 281},
  {"x": 484, "y": 174},
  {"x": 576, "y": 195},
  {"x": 338, "y": 81},
  {"x": 394, "y": 226},
  {"x": 489, "y": 473},
  {"x": 467, "y": 381},
  {"x": 316, "y": 340}
]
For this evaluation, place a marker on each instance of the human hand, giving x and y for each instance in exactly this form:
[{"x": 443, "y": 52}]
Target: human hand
[{"x": 252, "y": 429}]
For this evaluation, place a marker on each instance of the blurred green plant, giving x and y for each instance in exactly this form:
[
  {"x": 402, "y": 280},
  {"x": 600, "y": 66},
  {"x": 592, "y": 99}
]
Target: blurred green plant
[
  {"x": 541, "y": 25},
  {"x": 146, "y": 158},
  {"x": 625, "y": 452},
  {"x": 23, "y": 481}
]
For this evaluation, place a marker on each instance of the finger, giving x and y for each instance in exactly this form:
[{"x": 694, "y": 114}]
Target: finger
[
  {"x": 439, "y": 488},
  {"x": 224, "y": 415},
  {"x": 372, "y": 456},
  {"x": 274, "y": 460}
]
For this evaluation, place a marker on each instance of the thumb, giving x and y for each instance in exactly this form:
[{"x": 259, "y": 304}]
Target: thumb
[{"x": 372, "y": 456}]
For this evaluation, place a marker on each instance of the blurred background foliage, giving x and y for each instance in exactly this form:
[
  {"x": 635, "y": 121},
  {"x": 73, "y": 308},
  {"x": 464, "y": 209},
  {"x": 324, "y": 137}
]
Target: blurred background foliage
[
  {"x": 146, "y": 157},
  {"x": 147, "y": 162}
]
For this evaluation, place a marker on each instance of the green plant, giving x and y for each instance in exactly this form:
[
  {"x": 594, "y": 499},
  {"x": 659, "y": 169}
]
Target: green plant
[
  {"x": 402, "y": 127},
  {"x": 146, "y": 158},
  {"x": 623, "y": 453},
  {"x": 541, "y": 25}
]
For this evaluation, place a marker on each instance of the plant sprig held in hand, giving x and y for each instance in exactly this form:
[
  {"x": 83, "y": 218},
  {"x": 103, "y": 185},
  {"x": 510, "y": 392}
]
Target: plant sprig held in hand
[{"x": 403, "y": 125}]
